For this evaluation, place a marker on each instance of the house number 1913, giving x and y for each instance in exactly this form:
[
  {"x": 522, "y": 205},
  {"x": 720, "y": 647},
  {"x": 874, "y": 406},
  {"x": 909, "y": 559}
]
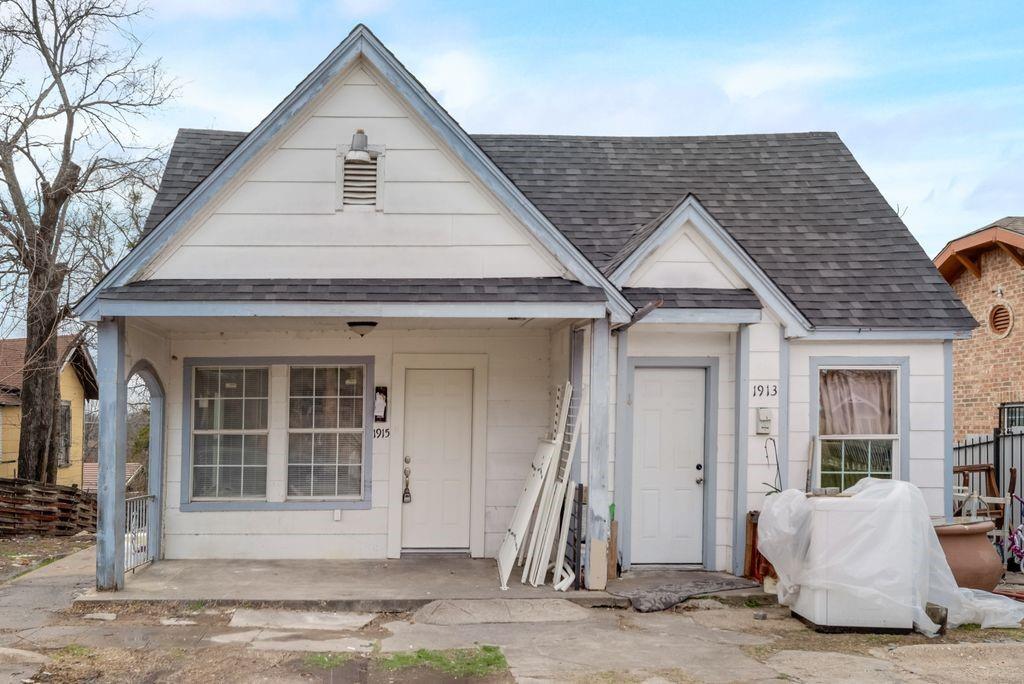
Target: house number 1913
[{"x": 764, "y": 389}]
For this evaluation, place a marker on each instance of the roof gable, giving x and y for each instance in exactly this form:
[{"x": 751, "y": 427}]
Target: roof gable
[{"x": 361, "y": 43}]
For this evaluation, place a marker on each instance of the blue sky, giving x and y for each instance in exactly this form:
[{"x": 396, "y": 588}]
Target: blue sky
[{"x": 928, "y": 95}]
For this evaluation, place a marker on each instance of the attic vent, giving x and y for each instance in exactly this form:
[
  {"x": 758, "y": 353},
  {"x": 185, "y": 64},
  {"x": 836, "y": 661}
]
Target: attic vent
[
  {"x": 1000, "y": 320},
  {"x": 359, "y": 173}
]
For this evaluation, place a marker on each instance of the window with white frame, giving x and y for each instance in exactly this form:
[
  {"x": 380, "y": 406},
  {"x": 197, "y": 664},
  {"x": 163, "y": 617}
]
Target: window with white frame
[
  {"x": 858, "y": 425},
  {"x": 325, "y": 431},
  {"x": 229, "y": 432}
]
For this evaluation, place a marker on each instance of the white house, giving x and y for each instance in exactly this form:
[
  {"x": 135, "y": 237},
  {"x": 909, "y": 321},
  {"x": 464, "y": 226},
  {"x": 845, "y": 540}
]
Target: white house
[{"x": 735, "y": 311}]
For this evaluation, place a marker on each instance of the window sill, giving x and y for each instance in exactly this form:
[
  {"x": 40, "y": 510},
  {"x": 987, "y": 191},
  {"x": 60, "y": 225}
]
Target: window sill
[{"x": 290, "y": 505}]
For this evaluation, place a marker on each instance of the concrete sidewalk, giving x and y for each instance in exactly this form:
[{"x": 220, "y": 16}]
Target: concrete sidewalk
[{"x": 369, "y": 586}]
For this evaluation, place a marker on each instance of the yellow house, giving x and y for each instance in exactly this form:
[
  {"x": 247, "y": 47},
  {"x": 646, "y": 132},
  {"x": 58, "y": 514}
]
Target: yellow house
[{"x": 77, "y": 384}]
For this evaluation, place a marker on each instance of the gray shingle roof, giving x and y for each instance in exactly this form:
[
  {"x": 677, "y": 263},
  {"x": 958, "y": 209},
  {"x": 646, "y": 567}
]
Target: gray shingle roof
[
  {"x": 362, "y": 290},
  {"x": 798, "y": 203},
  {"x": 692, "y": 298}
]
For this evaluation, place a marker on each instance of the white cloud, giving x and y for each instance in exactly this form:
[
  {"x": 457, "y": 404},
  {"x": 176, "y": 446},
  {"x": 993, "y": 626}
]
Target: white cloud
[{"x": 756, "y": 78}]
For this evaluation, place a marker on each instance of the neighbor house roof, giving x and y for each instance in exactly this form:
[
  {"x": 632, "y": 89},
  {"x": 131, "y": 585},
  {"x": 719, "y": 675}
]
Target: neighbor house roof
[
  {"x": 362, "y": 290},
  {"x": 959, "y": 255},
  {"x": 70, "y": 348},
  {"x": 799, "y": 204}
]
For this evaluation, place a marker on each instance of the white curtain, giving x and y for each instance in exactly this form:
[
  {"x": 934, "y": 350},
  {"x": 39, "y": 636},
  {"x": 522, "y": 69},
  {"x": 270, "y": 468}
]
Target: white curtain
[{"x": 857, "y": 402}]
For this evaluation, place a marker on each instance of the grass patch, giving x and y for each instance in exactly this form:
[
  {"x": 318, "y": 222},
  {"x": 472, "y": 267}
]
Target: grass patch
[
  {"x": 969, "y": 627},
  {"x": 196, "y": 606},
  {"x": 326, "y": 661},
  {"x": 470, "y": 662},
  {"x": 74, "y": 651}
]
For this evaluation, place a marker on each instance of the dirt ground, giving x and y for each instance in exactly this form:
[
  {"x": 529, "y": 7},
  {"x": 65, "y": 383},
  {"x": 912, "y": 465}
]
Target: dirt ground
[{"x": 21, "y": 554}]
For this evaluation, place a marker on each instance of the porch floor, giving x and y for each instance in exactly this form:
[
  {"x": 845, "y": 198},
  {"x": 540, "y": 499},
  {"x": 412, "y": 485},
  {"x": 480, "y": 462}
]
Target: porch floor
[{"x": 350, "y": 585}]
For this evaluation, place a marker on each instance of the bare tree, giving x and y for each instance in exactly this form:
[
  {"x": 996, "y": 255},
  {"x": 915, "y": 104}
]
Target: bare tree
[{"x": 73, "y": 86}]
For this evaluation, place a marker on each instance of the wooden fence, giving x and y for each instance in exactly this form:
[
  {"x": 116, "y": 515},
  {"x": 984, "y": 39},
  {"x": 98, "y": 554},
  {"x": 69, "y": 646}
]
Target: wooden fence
[{"x": 28, "y": 507}]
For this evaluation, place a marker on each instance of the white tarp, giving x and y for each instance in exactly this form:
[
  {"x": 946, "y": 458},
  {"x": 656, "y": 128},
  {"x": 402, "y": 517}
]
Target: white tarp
[{"x": 893, "y": 524}]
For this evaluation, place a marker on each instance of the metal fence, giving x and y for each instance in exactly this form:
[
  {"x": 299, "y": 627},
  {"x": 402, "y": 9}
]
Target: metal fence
[
  {"x": 1004, "y": 452},
  {"x": 136, "y": 531}
]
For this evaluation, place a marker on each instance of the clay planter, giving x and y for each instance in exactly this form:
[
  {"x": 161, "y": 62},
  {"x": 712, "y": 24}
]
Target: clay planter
[{"x": 971, "y": 556}]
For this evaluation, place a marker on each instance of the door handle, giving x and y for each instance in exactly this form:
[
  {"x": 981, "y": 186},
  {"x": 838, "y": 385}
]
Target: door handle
[
  {"x": 700, "y": 480},
  {"x": 407, "y": 493}
]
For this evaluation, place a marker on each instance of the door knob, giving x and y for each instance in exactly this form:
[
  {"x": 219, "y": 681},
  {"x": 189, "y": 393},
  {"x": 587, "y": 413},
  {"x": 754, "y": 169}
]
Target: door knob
[{"x": 700, "y": 480}]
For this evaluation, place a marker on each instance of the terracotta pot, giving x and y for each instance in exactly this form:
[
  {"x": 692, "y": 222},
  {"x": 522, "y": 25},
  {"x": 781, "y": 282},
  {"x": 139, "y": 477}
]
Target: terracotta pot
[{"x": 971, "y": 555}]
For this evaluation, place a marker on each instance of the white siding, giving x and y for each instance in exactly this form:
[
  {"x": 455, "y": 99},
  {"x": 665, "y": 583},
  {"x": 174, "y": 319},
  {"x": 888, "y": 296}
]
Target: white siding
[
  {"x": 687, "y": 260},
  {"x": 927, "y": 412},
  {"x": 518, "y": 399},
  {"x": 279, "y": 218}
]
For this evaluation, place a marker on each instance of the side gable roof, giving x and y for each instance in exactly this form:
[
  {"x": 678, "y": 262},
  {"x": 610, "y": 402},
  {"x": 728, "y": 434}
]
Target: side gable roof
[
  {"x": 961, "y": 254},
  {"x": 798, "y": 203},
  {"x": 361, "y": 43}
]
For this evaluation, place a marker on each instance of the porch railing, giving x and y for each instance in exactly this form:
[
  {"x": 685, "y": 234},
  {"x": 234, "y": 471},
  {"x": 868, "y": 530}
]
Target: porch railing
[{"x": 136, "y": 531}]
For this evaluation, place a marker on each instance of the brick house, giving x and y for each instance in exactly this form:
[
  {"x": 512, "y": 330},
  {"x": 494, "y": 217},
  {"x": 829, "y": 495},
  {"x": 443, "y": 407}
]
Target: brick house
[{"x": 986, "y": 269}]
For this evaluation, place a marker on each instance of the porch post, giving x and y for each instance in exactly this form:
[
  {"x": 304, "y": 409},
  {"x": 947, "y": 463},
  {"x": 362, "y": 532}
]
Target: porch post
[
  {"x": 739, "y": 492},
  {"x": 112, "y": 448},
  {"x": 597, "y": 467}
]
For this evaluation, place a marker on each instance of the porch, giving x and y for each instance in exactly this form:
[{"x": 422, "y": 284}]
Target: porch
[{"x": 394, "y": 585}]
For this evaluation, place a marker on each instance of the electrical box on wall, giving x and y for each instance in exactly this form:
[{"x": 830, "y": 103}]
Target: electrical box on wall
[{"x": 764, "y": 421}]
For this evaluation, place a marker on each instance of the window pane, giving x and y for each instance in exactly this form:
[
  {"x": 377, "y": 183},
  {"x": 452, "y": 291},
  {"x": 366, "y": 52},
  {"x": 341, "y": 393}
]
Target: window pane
[
  {"x": 256, "y": 382},
  {"x": 300, "y": 447},
  {"x": 850, "y": 479},
  {"x": 350, "y": 448},
  {"x": 300, "y": 413},
  {"x": 229, "y": 482},
  {"x": 204, "y": 481},
  {"x": 230, "y": 450},
  {"x": 301, "y": 382},
  {"x": 231, "y": 382},
  {"x": 298, "y": 480},
  {"x": 326, "y": 382},
  {"x": 831, "y": 480},
  {"x": 230, "y": 414},
  {"x": 204, "y": 450},
  {"x": 352, "y": 381},
  {"x": 350, "y": 480},
  {"x": 857, "y": 402},
  {"x": 325, "y": 413},
  {"x": 255, "y": 451},
  {"x": 204, "y": 412},
  {"x": 855, "y": 458},
  {"x": 255, "y": 414},
  {"x": 324, "y": 480},
  {"x": 881, "y": 458},
  {"x": 351, "y": 413},
  {"x": 831, "y": 456},
  {"x": 325, "y": 448},
  {"x": 254, "y": 481},
  {"x": 206, "y": 382}
]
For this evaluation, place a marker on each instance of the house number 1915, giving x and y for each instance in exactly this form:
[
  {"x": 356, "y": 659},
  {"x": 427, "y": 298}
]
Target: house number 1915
[
  {"x": 381, "y": 433},
  {"x": 769, "y": 389}
]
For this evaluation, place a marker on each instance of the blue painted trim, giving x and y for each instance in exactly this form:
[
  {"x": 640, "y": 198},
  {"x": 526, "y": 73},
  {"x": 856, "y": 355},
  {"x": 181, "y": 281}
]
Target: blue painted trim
[
  {"x": 157, "y": 401},
  {"x": 900, "y": 362},
  {"x": 113, "y": 438},
  {"x": 690, "y": 209},
  {"x": 947, "y": 354},
  {"x": 361, "y": 42},
  {"x": 187, "y": 505},
  {"x": 729, "y": 316},
  {"x": 742, "y": 411},
  {"x": 624, "y": 447},
  {"x": 209, "y": 307},
  {"x": 784, "y": 408},
  {"x": 597, "y": 467}
]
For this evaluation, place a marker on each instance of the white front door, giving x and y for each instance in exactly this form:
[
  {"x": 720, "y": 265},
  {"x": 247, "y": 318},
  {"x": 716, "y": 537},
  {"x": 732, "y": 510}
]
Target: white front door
[
  {"x": 667, "y": 508},
  {"x": 438, "y": 450}
]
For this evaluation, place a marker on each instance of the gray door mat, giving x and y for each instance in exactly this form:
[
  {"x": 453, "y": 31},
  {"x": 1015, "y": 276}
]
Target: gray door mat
[{"x": 652, "y": 590}]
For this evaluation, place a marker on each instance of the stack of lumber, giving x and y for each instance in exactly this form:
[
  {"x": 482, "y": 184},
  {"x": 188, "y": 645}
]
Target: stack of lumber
[
  {"x": 538, "y": 532},
  {"x": 29, "y": 507}
]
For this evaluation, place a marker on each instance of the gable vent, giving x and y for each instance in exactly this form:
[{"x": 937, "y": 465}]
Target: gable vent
[
  {"x": 1000, "y": 320},
  {"x": 360, "y": 185},
  {"x": 359, "y": 173}
]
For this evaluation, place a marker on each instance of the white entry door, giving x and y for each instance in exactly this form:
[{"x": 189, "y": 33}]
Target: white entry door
[
  {"x": 438, "y": 450},
  {"x": 667, "y": 509}
]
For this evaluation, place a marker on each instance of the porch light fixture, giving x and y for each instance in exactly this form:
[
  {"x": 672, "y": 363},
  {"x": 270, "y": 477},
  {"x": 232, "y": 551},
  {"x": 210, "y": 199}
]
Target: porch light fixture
[
  {"x": 362, "y": 328},
  {"x": 359, "y": 151}
]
